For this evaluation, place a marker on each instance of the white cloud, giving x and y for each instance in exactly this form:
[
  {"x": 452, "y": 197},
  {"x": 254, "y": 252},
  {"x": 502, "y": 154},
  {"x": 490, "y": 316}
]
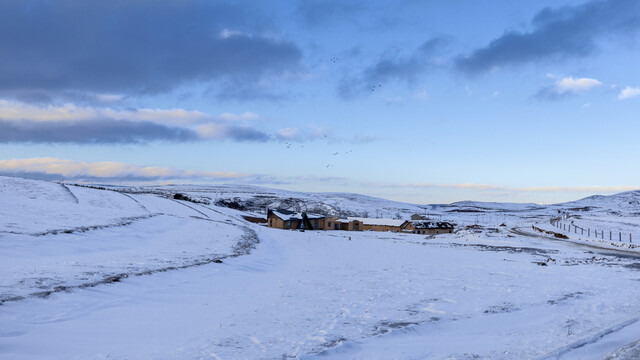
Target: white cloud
[
  {"x": 628, "y": 93},
  {"x": 575, "y": 85},
  {"x": 227, "y": 33},
  {"x": 105, "y": 169},
  {"x": 206, "y": 126},
  {"x": 247, "y": 115},
  {"x": 290, "y": 133},
  {"x": 14, "y": 110}
]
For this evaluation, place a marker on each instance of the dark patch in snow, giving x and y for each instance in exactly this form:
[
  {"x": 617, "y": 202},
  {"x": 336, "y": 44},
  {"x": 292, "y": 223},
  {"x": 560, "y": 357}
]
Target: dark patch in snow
[
  {"x": 179, "y": 196},
  {"x": 585, "y": 208},
  {"x": 499, "y": 309},
  {"x": 231, "y": 204},
  {"x": 633, "y": 266},
  {"x": 509, "y": 249},
  {"x": 565, "y": 298},
  {"x": 333, "y": 343}
]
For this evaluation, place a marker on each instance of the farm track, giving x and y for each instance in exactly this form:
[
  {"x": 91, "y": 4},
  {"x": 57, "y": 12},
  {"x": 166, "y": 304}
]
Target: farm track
[{"x": 247, "y": 242}]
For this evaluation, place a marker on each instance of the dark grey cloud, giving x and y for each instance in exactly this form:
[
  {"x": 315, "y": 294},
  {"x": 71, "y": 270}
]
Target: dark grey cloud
[
  {"x": 245, "y": 133},
  {"x": 393, "y": 68},
  {"x": 558, "y": 33},
  {"x": 90, "y": 132},
  {"x": 109, "y": 131},
  {"x": 133, "y": 46}
]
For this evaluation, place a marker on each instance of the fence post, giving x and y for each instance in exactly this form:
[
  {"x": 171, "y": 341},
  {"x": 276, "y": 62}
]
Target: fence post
[
  {"x": 602, "y": 234},
  {"x": 619, "y": 236},
  {"x": 610, "y": 238},
  {"x": 589, "y": 232},
  {"x": 582, "y": 231}
]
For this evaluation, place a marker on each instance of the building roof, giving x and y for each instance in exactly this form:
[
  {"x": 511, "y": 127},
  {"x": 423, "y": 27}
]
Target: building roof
[
  {"x": 431, "y": 225},
  {"x": 384, "y": 222},
  {"x": 287, "y": 215}
]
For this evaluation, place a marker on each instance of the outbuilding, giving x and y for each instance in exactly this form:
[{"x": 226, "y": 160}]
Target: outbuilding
[{"x": 430, "y": 227}]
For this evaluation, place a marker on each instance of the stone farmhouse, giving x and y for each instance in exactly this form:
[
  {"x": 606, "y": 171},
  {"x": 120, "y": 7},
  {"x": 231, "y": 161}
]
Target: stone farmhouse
[{"x": 291, "y": 220}]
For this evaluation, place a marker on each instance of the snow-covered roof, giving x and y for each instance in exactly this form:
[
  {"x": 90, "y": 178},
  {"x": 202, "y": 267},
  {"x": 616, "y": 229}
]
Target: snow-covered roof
[
  {"x": 431, "y": 225},
  {"x": 372, "y": 221},
  {"x": 287, "y": 216},
  {"x": 290, "y": 215}
]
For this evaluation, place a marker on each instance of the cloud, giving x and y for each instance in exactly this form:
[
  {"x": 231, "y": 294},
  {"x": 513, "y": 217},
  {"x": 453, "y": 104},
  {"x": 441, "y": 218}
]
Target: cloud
[
  {"x": 70, "y": 169},
  {"x": 534, "y": 189},
  {"x": 628, "y": 93},
  {"x": 570, "y": 84},
  {"x": 295, "y": 134},
  {"x": 120, "y": 46},
  {"x": 68, "y": 123},
  {"x": 100, "y": 131},
  {"x": 392, "y": 68},
  {"x": 565, "y": 87},
  {"x": 558, "y": 33},
  {"x": 227, "y": 131}
]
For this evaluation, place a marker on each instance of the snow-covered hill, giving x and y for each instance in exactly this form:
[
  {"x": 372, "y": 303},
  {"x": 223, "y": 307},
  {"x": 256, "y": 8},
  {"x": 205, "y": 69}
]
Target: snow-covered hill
[
  {"x": 54, "y": 236},
  {"x": 132, "y": 273}
]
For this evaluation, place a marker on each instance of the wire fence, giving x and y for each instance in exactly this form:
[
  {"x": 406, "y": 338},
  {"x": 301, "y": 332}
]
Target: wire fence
[{"x": 591, "y": 232}]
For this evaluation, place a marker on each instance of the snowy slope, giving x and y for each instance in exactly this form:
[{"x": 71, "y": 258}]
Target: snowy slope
[
  {"x": 54, "y": 236},
  {"x": 133, "y": 274}
]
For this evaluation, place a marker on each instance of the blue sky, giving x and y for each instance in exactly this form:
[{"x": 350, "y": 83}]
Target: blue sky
[{"x": 418, "y": 101}]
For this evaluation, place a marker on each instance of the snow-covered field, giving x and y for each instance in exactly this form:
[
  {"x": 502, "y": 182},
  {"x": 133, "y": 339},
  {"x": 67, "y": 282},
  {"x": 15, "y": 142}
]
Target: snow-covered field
[{"x": 133, "y": 274}]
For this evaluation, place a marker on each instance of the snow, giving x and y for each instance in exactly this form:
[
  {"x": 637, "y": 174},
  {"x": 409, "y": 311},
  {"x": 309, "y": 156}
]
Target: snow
[{"x": 203, "y": 283}]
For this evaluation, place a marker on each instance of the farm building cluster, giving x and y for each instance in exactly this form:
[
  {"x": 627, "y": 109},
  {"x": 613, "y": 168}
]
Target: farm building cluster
[{"x": 291, "y": 220}]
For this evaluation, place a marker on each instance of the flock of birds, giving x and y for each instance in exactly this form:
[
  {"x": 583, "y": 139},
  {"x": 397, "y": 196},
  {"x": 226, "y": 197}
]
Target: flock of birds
[
  {"x": 289, "y": 145},
  {"x": 335, "y": 60}
]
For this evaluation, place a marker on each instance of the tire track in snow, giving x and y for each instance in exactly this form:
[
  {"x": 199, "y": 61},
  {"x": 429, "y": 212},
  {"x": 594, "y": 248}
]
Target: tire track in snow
[
  {"x": 68, "y": 191},
  {"x": 565, "y": 350},
  {"x": 247, "y": 242},
  {"x": 192, "y": 208},
  {"x": 123, "y": 222},
  {"x": 137, "y": 202}
]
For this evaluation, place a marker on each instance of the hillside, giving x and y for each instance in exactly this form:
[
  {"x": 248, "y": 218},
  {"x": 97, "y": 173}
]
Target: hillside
[{"x": 135, "y": 274}]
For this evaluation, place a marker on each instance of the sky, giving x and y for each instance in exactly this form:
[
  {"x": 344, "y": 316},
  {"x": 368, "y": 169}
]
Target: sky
[{"x": 430, "y": 101}]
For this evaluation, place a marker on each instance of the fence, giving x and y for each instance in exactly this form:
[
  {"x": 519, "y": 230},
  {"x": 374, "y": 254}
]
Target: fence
[{"x": 597, "y": 233}]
